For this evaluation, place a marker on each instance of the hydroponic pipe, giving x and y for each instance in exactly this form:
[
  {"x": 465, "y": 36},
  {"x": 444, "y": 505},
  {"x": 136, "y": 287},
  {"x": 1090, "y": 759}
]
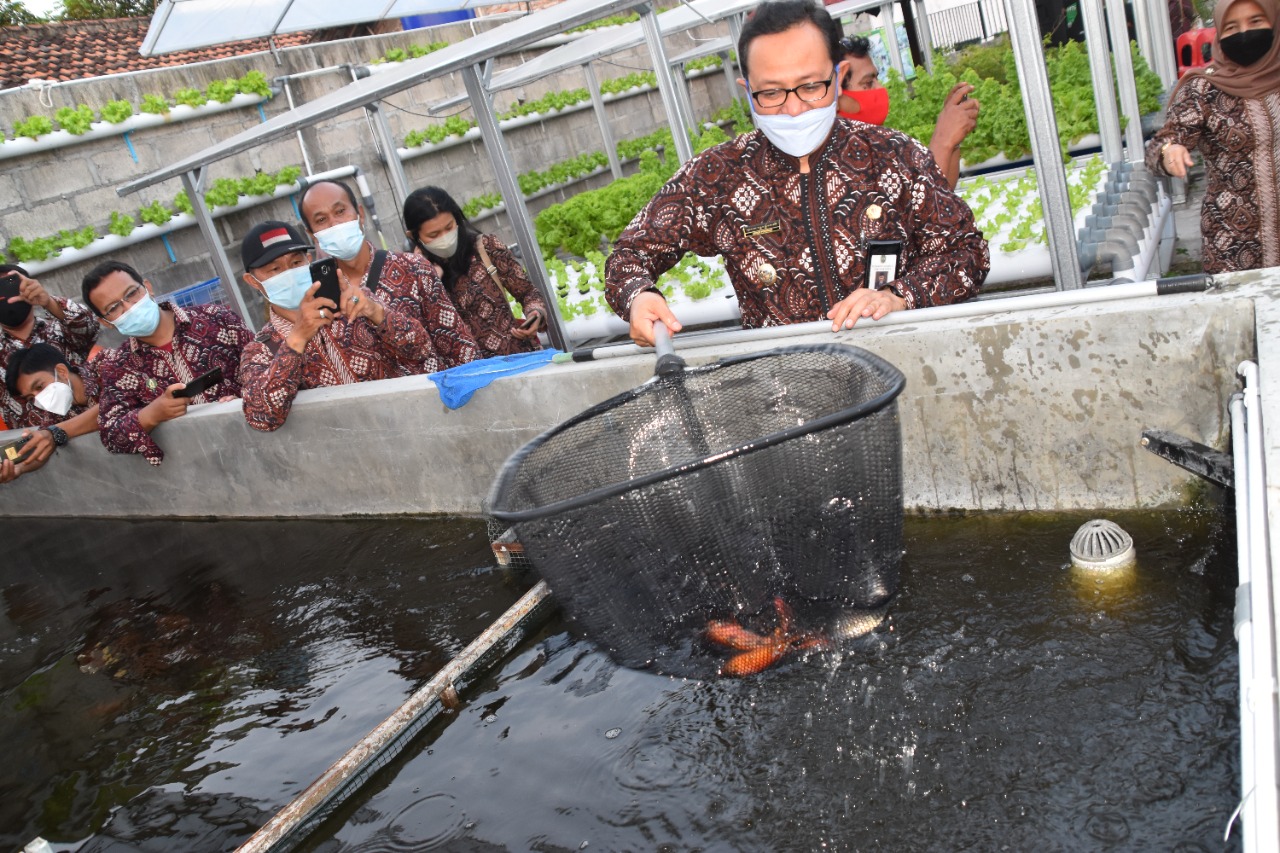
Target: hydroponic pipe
[
  {"x": 1259, "y": 697},
  {"x": 1151, "y": 243},
  {"x": 1243, "y": 627},
  {"x": 973, "y": 308}
]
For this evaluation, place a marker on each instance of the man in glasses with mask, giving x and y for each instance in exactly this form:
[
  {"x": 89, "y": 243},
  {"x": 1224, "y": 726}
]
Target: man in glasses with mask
[
  {"x": 167, "y": 347},
  {"x": 806, "y": 209},
  {"x": 71, "y": 328},
  {"x": 335, "y": 219}
]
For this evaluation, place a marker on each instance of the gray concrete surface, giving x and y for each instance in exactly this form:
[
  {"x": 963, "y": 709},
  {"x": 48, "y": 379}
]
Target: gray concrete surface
[{"x": 1017, "y": 410}]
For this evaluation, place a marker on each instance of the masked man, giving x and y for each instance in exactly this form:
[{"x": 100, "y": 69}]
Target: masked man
[
  {"x": 71, "y": 328},
  {"x": 167, "y": 348},
  {"x": 335, "y": 220},
  {"x": 863, "y": 98},
  {"x": 60, "y": 399},
  {"x": 806, "y": 209}
]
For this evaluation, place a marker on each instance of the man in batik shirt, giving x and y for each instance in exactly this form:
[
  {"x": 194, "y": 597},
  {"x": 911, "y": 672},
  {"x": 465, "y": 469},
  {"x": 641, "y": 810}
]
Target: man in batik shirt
[
  {"x": 167, "y": 347},
  {"x": 335, "y": 219},
  {"x": 308, "y": 341},
  {"x": 70, "y": 327},
  {"x": 807, "y": 209},
  {"x": 60, "y": 400}
]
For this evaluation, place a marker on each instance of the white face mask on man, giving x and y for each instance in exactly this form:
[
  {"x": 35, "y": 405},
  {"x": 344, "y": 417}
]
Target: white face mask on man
[{"x": 56, "y": 397}]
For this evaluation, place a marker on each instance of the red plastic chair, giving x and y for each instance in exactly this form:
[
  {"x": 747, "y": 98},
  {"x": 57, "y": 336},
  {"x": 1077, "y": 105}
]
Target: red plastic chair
[{"x": 1195, "y": 49}]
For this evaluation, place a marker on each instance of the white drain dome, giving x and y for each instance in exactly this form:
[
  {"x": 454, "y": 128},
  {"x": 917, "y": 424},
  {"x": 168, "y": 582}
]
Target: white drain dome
[{"x": 1102, "y": 545}]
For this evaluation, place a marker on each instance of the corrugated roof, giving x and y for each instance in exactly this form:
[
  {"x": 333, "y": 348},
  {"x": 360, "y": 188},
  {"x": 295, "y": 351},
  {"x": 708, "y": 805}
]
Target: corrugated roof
[{"x": 74, "y": 50}]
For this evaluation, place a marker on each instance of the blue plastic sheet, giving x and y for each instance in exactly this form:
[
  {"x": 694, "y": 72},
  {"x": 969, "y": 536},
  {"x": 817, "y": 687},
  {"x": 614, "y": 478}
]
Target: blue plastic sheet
[{"x": 458, "y": 384}]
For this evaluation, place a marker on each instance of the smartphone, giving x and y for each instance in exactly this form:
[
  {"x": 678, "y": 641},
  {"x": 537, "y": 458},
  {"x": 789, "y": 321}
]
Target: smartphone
[
  {"x": 325, "y": 271},
  {"x": 530, "y": 321},
  {"x": 13, "y": 450},
  {"x": 200, "y": 384},
  {"x": 10, "y": 280}
]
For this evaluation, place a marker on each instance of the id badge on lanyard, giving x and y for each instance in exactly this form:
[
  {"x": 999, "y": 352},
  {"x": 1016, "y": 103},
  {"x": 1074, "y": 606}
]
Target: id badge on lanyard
[{"x": 882, "y": 262}]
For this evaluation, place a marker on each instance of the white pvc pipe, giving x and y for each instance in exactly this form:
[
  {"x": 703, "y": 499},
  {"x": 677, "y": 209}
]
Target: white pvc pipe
[
  {"x": 1150, "y": 244},
  {"x": 1259, "y": 699},
  {"x": 1243, "y": 620},
  {"x": 24, "y": 145},
  {"x": 109, "y": 243},
  {"x": 1029, "y": 302}
]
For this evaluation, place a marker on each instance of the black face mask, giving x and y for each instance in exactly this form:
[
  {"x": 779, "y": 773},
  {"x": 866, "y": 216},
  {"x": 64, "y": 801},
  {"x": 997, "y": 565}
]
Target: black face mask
[
  {"x": 12, "y": 314},
  {"x": 1246, "y": 48}
]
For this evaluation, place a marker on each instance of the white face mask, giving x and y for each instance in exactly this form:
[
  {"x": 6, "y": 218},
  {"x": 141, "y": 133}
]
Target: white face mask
[
  {"x": 445, "y": 245},
  {"x": 798, "y": 135},
  {"x": 288, "y": 288},
  {"x": 56, "y": 397},
  {"x": 344, "y": 240}
]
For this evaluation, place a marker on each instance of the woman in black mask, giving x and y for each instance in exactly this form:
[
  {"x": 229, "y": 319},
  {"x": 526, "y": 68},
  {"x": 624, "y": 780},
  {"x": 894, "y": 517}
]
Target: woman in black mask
[
  {"x": 476, "y": 269},
  {"x": 1230, "y": 110}
]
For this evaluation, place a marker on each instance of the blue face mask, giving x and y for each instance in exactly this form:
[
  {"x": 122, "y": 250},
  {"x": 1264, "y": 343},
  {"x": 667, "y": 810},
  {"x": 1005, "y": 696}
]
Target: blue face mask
[
  {"x": 342, "y": 241},
  {"x": 140, "y": 320},
  {"x": 287, "y": 289}
]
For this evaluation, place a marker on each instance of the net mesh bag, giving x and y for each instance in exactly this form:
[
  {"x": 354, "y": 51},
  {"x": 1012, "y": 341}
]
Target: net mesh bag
[{"x": 706, "y": 493}]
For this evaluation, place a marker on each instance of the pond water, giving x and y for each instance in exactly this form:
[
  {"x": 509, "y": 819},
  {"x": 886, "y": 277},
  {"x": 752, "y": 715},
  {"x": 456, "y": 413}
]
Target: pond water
[{"x": 169, "y": 685}]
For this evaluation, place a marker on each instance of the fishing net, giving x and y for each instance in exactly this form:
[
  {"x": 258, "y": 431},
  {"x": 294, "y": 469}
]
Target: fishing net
[{"x": 706, "y": 492}]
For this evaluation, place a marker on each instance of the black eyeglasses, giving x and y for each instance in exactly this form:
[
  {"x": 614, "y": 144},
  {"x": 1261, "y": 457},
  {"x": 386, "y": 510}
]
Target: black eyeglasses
[
  {"x": 807, "y": 92},
  {"x": 131, "y": 295}
]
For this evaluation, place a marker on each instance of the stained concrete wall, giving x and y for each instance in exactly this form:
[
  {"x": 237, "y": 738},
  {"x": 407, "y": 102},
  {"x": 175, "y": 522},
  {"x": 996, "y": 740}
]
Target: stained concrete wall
[
  {"x": 1018, "y": 410},
  {"x": 71, "y": 187}
]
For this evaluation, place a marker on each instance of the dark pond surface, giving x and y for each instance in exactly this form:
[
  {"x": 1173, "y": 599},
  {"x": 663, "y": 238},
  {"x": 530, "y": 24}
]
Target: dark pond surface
[{"x": 169, "y": 685}]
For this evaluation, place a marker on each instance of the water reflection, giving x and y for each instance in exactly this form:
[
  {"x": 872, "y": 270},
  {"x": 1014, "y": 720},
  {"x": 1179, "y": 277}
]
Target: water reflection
[{"x": 182, "y": 680}]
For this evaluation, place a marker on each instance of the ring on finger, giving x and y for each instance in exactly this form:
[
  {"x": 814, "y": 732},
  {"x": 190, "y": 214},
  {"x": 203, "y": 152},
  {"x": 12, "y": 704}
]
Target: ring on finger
[
  {"x": 355, "y": 300},
  {"x": 324, "y": 315}
]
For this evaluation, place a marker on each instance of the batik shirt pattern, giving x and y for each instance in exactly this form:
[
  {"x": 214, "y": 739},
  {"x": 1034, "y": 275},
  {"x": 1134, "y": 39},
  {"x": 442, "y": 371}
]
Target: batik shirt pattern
[
  {"x": 484, "y": 304},
  {"x": 410, "y": 283},
  {"x": 133, "y": 374},
  {"x": 272, "y": 373},
  {"x": 1239, "y": 139},
  {"x": 73, "y": 336},
  {"x": 795, "y": 244}
]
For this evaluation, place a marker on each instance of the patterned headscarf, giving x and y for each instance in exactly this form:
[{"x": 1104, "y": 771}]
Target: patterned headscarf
[{"x": 1243, "y": 81}]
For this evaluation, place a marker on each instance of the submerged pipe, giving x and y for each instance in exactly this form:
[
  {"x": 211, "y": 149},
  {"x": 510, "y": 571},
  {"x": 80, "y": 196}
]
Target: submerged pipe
[{"x": 291, "y": 825}]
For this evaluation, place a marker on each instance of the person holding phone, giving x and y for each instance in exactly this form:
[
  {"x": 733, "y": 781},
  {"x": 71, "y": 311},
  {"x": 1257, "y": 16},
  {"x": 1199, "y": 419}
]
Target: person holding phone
[
  {"x": 62, "y": 323},
  {"x": 335, "y": 219},
  {"x": 166, "y": 348},
  {"x": 478, "y": 270},
  {"x": 310, "y": 340},
  {"x": 60, "y": 399}
]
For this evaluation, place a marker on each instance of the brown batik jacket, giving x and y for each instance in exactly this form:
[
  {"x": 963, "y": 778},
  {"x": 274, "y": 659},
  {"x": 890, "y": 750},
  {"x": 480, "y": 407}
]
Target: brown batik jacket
[
  {"x": 484, "y": 305},
  {"x": 795, "y": 244},
  {"x": 1240, "y": 141}
]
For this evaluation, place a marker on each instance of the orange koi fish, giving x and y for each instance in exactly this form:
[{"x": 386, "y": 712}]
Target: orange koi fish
[{"x": 760, "y": 652}]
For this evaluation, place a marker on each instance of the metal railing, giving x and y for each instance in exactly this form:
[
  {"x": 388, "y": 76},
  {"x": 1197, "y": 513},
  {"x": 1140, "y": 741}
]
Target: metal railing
[{"x": 961, "y": 25}]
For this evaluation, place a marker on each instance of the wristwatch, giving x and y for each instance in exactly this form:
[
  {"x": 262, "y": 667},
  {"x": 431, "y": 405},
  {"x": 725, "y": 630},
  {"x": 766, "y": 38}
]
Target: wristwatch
[{"x": 58, "y": 434}]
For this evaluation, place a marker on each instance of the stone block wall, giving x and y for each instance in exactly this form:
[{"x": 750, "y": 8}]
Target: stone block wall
[{"x": 70, "y": 187}]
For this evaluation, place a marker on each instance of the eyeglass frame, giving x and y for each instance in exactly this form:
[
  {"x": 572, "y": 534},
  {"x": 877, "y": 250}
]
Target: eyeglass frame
[
  {"x": 826, "y": 87},
  {"x": 114, "y": 311}
]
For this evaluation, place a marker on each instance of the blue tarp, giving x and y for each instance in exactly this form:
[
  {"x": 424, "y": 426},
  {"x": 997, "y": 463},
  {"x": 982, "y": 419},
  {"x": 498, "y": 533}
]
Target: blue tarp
[{"x": 457, "y": 384}]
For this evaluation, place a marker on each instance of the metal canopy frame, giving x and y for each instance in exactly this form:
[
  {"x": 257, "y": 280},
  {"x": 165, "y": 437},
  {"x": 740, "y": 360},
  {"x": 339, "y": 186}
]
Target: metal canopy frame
[{"x": 472, "y": 58}]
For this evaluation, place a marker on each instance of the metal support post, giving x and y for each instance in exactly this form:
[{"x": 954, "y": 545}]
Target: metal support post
[
  {"x": 730, "y": 76},
  {"x": 891, "y": 39},
  {"x": 302, "y": 145},
  {"x": 924, "y": 34},
  {"x": 666, "y": 84},
  {"x": 204, "y": 219},
  {"x": 521, "y": 222},
  {"x": 1142, "y": 30},
  {"x": 1037, "y": 103},
  {"x": 1163, "y": 60},
  {"x": 387, "y": 153},
  {"x": 1124, "y": 78},
  {"x": 606, "y": 133},
  {"x": 684, "y": 97},
  {"x": 1104, "y": 90}
]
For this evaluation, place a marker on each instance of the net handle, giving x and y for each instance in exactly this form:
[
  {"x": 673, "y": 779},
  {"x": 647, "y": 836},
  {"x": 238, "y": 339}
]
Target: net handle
[{"x": 668, "y": 364}]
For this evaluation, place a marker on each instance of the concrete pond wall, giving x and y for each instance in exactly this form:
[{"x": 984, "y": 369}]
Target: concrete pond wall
[
  {"x": 1017, "y": 409},
  {"x": 75, "y": 186}
]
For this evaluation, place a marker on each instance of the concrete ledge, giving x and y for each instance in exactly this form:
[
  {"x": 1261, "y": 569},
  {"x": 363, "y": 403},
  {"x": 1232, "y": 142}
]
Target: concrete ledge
[{"x": 1016, "y": 410}]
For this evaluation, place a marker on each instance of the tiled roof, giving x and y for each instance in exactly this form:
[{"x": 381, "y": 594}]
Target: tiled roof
[{"x": 73, "y": 50}]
